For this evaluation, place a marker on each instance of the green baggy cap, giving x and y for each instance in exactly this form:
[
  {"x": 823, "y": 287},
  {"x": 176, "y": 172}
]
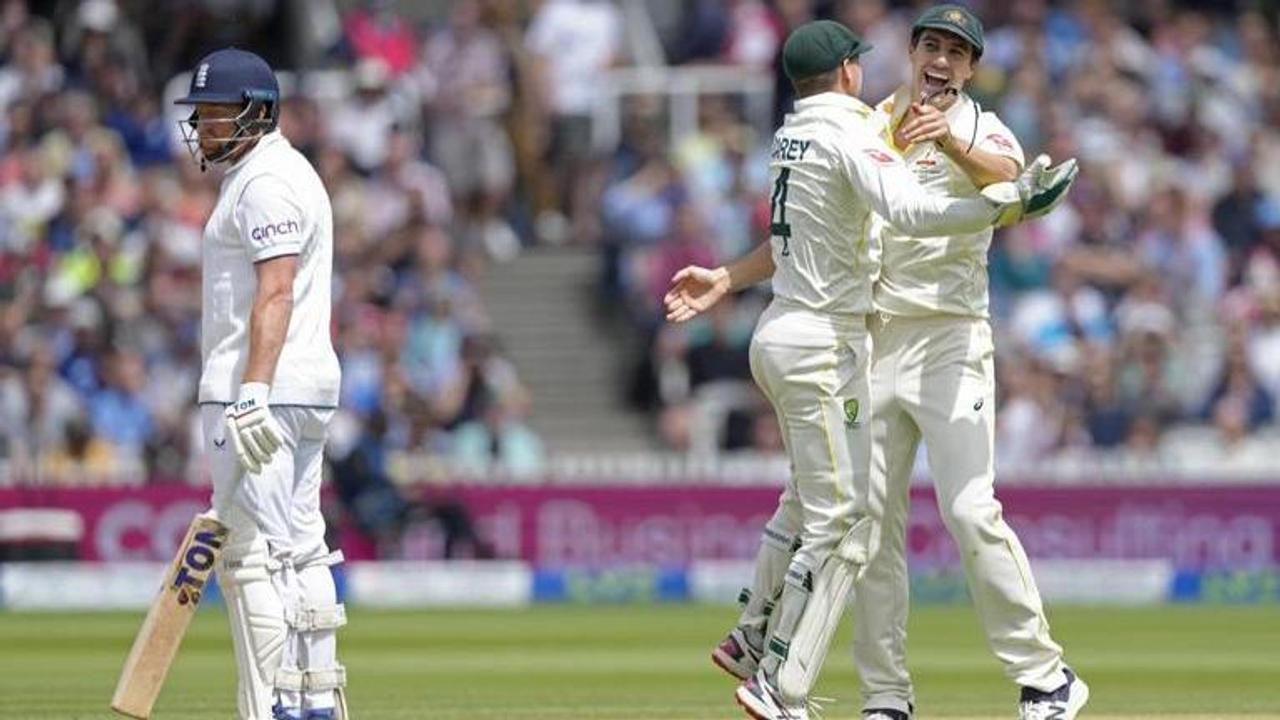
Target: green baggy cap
[
  {"x": 954, "y": 19},
  {"x": 819, "y": 46}
]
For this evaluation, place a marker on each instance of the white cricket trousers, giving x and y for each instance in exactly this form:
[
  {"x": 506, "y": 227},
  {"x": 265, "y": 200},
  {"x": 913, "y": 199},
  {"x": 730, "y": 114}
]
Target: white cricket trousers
[
  {"x": 813, "y": 368},
  {"x": 275, "y": 569},
  {"x": 934, "y": 379},
  {"x": 281, "y": 505}
]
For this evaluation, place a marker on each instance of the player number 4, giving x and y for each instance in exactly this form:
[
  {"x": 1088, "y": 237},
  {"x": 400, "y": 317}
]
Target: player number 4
[{"x": 778, "y": 225}]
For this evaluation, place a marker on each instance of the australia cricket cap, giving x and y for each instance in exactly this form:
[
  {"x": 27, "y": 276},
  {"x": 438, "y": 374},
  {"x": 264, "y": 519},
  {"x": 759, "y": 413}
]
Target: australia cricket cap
[
  {"x": 955, "y": 19},
  {"x": 819, "y": 46}
]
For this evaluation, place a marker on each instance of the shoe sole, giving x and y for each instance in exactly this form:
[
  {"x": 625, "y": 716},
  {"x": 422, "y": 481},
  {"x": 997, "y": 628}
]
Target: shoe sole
[
  {"x": 745, "y": 704},
  {"x": 730, "y": 666}
]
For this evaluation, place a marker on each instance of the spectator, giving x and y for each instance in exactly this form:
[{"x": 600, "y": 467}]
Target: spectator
[
  {"x": 362, "y": 126},
  {"x": 467, "y": 75},
  {"x": 376, "y": 31},
  {"x": 573, "y": 42},
  {"x": 35, "y": 408},
  {"x": 118, "y": 412}
]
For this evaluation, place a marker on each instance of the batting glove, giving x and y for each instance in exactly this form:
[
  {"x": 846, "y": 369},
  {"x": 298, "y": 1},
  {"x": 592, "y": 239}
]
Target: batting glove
[
  {"x": 254, "y": 431},
  {"x": 1035, "y": 193}
]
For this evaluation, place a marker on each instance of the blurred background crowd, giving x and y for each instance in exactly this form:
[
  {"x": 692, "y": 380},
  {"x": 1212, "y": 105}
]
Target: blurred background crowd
[{"x": 1138, "y": 326}]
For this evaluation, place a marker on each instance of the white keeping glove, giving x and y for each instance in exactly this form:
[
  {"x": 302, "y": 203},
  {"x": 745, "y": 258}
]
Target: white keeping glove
[
  {"x": 253, "y": 429},
  {"x": 1035, "y": 193}
]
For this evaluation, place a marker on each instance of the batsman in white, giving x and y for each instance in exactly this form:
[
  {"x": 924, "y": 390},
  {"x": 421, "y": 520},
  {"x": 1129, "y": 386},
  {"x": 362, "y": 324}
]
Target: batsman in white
[
  {"x": 932, "y": 378},
  {"x": 810, "y": 353},
  {"x": 268, "y": 389}
]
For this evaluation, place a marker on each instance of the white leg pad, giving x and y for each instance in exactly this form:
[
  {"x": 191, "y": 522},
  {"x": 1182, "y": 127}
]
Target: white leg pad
[
  {"x": 258, "y": 633},
  {"x": 315, "y": 643},
  {"x": 818, "y": 622},
  {"x": 759, "y": 600}
]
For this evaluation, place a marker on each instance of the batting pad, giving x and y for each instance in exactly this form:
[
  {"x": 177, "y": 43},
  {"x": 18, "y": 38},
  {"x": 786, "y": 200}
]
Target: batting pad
[
  {"x": 776, "y": 549},
  {"x": 258, "y": 632},
  {"x": 821, "y": 615}
]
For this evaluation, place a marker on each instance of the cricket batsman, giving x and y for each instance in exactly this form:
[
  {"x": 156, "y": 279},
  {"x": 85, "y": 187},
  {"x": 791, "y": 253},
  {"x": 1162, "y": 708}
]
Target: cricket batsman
[
  {"x": 268, "y": 389},
  {"x": 932, "y": 378},
  {"x": 830, "y": 170}
]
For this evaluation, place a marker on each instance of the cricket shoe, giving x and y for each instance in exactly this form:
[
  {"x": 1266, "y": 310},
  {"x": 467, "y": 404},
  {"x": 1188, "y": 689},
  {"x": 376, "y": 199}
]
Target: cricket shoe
[
  {"x": 736, "y": 654},
  {"x": 1061, "y": 704},
  {"x": 761, "y": 700},
  {"x": 280, "y": 712}
]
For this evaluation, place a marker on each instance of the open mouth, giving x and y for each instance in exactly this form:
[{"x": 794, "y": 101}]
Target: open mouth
[{"x": 935, "y": 81}]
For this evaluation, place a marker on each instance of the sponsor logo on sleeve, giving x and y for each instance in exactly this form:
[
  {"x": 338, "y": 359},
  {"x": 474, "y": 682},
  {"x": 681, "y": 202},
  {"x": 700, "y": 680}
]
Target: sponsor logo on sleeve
[
  {"x": 270, "y": 230},
  {"x": 1001, "y": 142},
  {"x": 879, "y": 156}
]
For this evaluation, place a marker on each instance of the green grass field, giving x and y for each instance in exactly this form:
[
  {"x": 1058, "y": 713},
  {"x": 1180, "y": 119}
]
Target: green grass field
[{"x": 651, "y": 662}]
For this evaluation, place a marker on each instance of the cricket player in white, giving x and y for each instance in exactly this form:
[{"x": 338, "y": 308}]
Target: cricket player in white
[
  {"x": 268, "y": 389},
  {"x": 830, "y": 171},
  {"x": 932, "y": 378}
]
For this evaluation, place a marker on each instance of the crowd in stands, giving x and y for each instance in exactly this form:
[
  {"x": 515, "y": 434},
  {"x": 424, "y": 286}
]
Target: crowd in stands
[{"x": 1142, "y": 319}]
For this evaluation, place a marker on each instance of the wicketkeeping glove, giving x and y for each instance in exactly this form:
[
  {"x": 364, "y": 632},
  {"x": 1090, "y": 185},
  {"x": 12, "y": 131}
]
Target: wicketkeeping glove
[
  {"x": 1035, "y": 193},
  {"x": 254, "y": 431}
]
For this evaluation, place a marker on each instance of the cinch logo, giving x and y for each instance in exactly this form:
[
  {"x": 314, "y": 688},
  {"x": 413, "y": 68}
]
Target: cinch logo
[
  {"x": 202, "y": 76},
  {"x": 270, "y": 230},
  {"x": 199, "y": 559}
]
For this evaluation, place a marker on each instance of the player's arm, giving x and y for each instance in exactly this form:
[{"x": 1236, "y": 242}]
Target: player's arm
[
  {"x": 992, "y": 158},
  {"x": 982, "y": 166},
  {"x": 269, "y": 319},
  {"x": 269, "y": 220},
  {"x": 879, "y": 176},
  {"x": 695, "y": 289}
]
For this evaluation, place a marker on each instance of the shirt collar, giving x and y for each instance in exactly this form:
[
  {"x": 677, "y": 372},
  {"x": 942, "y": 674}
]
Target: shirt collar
[
  {"x": 831, "y": 99},
  {"x": 263, "y": 143},
  {"x": 898, "y": 103}
]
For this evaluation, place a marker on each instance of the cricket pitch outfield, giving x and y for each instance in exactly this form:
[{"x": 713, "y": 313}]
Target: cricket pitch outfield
[{"x": 650, "y": 663}]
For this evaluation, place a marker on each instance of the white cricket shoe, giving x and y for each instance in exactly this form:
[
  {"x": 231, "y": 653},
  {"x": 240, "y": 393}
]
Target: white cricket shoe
[
  {"x": 1061, "y": 704},
  {"x": 737, "y": 655},
  {"x": 761, "y": 700}
]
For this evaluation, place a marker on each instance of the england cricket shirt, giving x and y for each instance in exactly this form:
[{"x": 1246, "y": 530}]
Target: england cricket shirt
[{"x": 271, "y": 203}]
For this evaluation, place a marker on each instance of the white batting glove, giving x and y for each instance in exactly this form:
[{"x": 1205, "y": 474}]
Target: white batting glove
[
  {"x": 1035, "y": 193},
  {"x": 253, "y": 429}
]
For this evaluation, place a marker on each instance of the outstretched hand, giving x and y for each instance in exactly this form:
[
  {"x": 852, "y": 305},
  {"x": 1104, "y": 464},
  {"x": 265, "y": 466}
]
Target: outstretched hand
[
  {"x": 693, "y": 291},
  {"x": 1035, "y": 193}
]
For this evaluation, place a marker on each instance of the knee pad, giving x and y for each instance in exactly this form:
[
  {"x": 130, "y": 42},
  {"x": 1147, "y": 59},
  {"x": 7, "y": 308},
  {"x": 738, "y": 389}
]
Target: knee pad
[
  {"x": 317, "y": 608},
  {"x": 311, "y": 670}
]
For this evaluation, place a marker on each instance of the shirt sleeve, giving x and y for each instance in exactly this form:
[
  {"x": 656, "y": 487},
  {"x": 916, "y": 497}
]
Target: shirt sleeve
[
  {"x": 269, "y": 219},
  {"x": 879, "y": 176},
  {"x": 994, "y": 137}
]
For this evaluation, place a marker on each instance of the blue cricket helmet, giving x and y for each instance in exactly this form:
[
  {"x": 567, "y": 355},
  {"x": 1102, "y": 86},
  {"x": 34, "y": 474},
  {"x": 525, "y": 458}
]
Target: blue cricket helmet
[{"x": 232, "y": 77}]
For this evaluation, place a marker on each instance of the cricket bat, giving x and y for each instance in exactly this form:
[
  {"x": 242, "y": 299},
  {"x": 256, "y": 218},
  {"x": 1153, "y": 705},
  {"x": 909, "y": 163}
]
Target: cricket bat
[{"x": 157, "y": 642}]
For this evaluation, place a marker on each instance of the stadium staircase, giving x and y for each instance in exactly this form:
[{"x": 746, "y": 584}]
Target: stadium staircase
[{"x": 572, "y": 360}]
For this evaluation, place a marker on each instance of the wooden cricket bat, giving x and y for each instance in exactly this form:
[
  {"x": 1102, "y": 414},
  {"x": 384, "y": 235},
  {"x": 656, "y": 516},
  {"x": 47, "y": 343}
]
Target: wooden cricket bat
[{"x": 157, "y": 642}]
